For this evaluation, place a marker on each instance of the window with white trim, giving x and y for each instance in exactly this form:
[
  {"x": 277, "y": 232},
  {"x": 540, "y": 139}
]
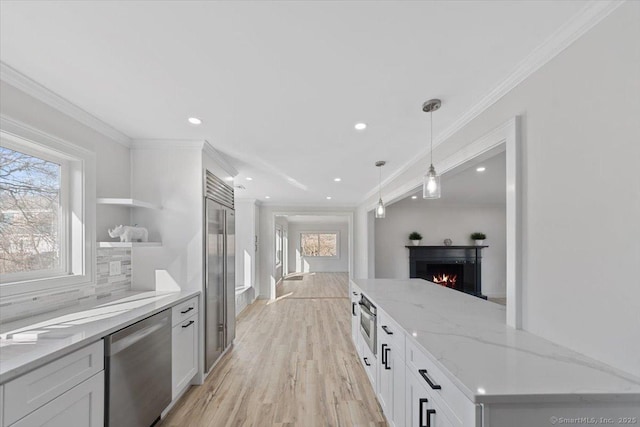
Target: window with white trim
[
  {"x": 47, "y": 211},
  {"x": 323, "y": 244}
]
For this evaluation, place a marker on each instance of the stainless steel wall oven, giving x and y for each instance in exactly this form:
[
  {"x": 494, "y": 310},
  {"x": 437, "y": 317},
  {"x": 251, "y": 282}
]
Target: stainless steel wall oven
[{"x": 368, "y": 322}]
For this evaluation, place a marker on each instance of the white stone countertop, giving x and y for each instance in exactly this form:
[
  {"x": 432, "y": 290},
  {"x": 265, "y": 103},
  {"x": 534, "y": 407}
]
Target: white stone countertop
[
  {"x": 29, "y": 343},
  {"x": 489, "y": 361}
]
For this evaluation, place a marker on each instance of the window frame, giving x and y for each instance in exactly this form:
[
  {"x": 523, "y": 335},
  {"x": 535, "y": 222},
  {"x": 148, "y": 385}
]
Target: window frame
[
  {"x": 77, "y": 210},
  {"x": 279, "y": 243},
  {"x": 336, "y": 256}
]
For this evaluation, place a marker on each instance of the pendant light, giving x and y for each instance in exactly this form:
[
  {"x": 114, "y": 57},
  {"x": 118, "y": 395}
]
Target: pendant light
[
  {"x": 431, "y": 182},
  {"x": 380, "y": 209}
]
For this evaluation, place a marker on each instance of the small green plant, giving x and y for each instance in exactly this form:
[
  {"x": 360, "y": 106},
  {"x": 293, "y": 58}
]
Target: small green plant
[
  {"x": 415, "y": 236},
  {"x": 478, "y": 236}
]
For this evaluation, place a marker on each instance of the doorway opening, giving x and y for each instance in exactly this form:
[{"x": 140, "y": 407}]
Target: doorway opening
[{"x": 307, "y": 243}]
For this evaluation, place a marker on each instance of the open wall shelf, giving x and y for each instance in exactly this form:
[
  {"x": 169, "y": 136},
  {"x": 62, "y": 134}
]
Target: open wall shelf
[
  {"x": 128, "y": 244},
  {"x": 132, "y": 203}
]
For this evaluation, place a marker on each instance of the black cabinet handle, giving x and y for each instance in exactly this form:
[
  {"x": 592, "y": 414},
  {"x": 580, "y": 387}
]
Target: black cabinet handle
[
  {"x": 187, "y": 310},
  {"x": 384, "y": 354},
  {"x": 353, "y": 308},
  {"x": 191, "y": 322},
  {"x": 386, "y": 329},
  {"x": 386, "y": 361},
  {"x": 421, "y": 412},
  {"x": 355, "y": 293},
  {"x": 423, "y": 374},
  {"x": 366, "y": 361}
]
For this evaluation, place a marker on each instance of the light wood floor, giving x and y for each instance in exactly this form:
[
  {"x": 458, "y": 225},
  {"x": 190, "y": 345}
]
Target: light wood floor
[{"x": 293, "y": 364}]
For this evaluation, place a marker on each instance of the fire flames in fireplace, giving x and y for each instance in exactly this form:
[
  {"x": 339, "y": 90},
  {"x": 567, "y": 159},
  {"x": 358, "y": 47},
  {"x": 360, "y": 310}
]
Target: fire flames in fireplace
[{"x": 448, "y": 280}]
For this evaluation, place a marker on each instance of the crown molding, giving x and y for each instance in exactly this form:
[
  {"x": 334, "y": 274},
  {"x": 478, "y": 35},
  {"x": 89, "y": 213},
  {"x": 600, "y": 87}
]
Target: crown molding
[
  {"x": 219, "y": 158},
  {"x": 590, "y": 15},
  {"x": 311, "y": 206},
  {"x": 489, "y": 145},
  {"x": 165, "y": 144},
  {"x": 32, "y": 88},
  {"x": 186, "y": 144}
]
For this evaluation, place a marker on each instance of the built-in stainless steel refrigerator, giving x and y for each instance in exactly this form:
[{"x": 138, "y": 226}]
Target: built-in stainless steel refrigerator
[{"x": 219, "y": 275}]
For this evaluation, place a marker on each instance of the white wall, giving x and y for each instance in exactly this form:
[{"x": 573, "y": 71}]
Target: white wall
[
  {"x": 436, "y": 224},
  {"x": 112, "y": 180},
  {"x": 298, "y": 264},
  {"x": 581, "y": 192},
  {"x": 246, "y": 212},
  {"x": 171, "y": 178}
]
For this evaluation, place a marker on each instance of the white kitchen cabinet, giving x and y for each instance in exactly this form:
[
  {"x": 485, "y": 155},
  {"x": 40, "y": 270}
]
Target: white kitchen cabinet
[
  {"x": 34, "y": 389},
  {"x": 459, "y": 408},
  {"x": 422, "y": 408},
  {"x": 81, "y": 406},
  {"x": 184, "y": 352},
  {"x": 355, "y": 316},
  {"x": 391, "y": 370},
  {"x": 1, "y": 405},
  {"x": 368, "y": 360}
]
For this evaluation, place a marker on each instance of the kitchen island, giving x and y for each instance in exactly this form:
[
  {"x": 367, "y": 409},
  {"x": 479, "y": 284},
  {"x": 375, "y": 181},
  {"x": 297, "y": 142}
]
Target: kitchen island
[{"x": 505, "y": 375}]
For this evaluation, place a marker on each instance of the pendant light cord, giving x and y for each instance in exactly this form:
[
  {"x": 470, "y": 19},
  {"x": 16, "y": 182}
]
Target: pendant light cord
[
  {"x": 431, "y": 129},
  {"x": 380, "y": 183}
]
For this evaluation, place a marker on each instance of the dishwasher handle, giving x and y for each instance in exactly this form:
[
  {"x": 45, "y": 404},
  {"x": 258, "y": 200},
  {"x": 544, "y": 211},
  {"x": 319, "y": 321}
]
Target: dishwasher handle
[{"x": 135, "y": 333}]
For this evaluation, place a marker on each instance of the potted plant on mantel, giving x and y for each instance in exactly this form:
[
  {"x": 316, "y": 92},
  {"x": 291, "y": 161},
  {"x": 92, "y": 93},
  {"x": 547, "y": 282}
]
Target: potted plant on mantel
[
  {"x": 478, "y": 237},
  {"x": 415, "y": 238}
]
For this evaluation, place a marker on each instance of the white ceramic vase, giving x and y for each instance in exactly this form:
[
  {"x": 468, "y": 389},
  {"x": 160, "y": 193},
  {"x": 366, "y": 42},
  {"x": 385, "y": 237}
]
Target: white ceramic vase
[
  {"x": 479, "y": 242},
  {"x": 416, "y": 242}
]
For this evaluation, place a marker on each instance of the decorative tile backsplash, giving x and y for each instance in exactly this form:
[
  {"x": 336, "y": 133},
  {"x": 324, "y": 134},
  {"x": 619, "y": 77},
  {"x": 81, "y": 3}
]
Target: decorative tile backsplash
[{"x": 18, "y": 307}]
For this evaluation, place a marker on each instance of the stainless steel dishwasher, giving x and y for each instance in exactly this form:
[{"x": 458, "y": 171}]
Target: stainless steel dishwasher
[{"x": 138, "y": 372}]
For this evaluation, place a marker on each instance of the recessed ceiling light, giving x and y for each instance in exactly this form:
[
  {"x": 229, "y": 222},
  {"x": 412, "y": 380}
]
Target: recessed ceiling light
[
  {"x": 267, "y": 197},
  {"x": 481, "y": 169},
  {"x": 195, "y": 121},
  {"x": 481, "y": 390},
  {"x": 249, "y": 178},
  {"x": 414, "y": 197},
  {"x": 328, "y": 197},
  {"x": 360, "y": 126},
  {"x": 337, "y": 179}
]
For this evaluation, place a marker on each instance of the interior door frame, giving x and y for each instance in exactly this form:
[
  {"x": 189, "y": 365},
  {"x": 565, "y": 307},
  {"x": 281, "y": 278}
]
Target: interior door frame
[
  {"x": 507, "y": 138},
  {"x": 271, "y": 245}
]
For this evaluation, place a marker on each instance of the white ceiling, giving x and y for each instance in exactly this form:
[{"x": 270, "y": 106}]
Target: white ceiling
[
  {"x": 465, "y": 186},
  {"x": 308, "y": 219},
  {"x": 280, "y": 85}
]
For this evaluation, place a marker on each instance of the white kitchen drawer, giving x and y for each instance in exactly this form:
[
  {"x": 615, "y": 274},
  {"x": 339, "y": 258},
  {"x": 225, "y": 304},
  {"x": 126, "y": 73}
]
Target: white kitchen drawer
[
  {"x": 82, "y": 406},
  {"x": 183, "y": 311},
  {"x": 390, "y": 332},
  {"x": 448, "y": 396},
  {"x": 30, "y": 391}
]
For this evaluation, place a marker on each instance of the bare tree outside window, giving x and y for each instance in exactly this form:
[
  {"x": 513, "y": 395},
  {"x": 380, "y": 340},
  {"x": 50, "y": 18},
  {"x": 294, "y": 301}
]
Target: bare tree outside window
[
  {"x": 30, "y": 213},
  {"x": 319, "y": 244}
]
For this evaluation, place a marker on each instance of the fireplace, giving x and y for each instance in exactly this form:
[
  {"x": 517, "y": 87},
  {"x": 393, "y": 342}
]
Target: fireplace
[{"x": 455, "y": 267}]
